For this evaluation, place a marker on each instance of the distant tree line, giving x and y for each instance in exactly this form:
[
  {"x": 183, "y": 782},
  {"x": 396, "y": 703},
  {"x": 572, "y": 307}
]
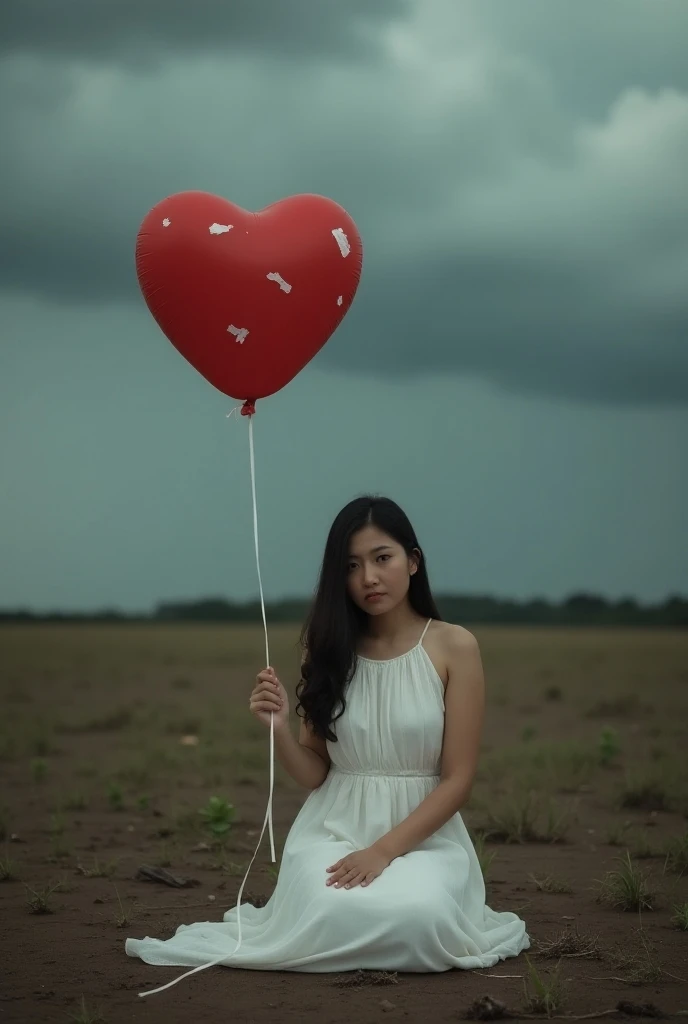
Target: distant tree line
[{"x": 577, "y": 610}]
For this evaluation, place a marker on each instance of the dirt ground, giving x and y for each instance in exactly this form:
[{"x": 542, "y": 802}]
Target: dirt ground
[{"x": 112, "y": 738}]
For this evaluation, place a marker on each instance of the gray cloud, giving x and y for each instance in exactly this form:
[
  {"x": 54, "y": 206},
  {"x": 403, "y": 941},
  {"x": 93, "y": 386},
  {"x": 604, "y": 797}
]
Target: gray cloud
[
  {"x": 133, "y": 31},
  {"x": 506, "y": 235}
]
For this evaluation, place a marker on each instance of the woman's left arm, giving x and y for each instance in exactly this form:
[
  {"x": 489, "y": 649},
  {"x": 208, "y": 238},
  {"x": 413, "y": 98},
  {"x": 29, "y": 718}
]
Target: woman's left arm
[{"x": 464, "y": 703}]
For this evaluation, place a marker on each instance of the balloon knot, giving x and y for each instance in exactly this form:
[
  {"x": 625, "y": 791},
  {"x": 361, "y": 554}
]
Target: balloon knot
[{"x": 248, "y": 408}]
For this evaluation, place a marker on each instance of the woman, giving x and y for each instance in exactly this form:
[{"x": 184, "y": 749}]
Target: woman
[{"x": 378, "y": 870}]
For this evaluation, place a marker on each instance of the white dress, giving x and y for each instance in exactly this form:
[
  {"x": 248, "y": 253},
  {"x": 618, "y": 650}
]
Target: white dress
[{"x": 425, "y": 912}]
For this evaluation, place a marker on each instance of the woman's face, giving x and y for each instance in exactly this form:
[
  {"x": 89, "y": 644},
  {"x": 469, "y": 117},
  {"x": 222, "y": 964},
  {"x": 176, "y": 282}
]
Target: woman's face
[{"x": 378, "y": 570}]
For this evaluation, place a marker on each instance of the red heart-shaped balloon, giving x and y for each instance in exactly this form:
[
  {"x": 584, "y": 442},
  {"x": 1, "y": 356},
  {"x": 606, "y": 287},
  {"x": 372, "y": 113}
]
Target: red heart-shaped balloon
[{"x": 248, "y": 298}]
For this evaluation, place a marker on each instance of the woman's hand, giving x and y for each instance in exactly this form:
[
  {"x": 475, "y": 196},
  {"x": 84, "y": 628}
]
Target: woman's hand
[
  {"x": 362, "y": 866},
  {"x": 268, "y": 695}
]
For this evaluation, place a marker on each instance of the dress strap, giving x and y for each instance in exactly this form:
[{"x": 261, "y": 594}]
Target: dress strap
[{"x": 420, "y": 642}]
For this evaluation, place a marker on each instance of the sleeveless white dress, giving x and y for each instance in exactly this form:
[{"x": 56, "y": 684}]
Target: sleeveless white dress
[{"x": 425, "y": 912}]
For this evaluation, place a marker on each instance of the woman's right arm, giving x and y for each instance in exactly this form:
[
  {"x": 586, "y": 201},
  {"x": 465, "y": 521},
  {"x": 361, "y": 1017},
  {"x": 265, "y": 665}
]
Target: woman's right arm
[
  {"x": 302, "y": 758},
  {"x": 305, "y": 759}
]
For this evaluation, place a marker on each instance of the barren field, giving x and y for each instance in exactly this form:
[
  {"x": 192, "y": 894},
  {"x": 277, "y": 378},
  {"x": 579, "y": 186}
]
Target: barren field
[{"x": 114, "y": 738}]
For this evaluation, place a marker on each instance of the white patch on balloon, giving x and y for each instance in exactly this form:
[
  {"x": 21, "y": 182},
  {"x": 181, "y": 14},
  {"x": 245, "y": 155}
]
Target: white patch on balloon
[
  {"x": 220, "y": 229},
  {"x": 239, "y": 333},
  {"x": 340, "y": 300},
  {"x": 280, "y": 281},
  {"x": 342, "y": 241},
  {"x": 166, "y": 223}
]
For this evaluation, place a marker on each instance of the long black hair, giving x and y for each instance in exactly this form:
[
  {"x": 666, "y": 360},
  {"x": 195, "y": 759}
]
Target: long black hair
[{"x": 330, "y": 635}]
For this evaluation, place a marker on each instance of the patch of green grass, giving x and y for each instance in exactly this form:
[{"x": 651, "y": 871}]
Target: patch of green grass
[
  {"x": 566, "y": 766},
  {"x": 8, "y": 869},
  {"x": 543, "y": 993},
  {"x": 84, "y": 1015},
  {"x": 680, "y": 917},
  {"x": 608, "y": 747},
  {"x": 524, "y": 817},
  {"x": 626, "y": 888}
]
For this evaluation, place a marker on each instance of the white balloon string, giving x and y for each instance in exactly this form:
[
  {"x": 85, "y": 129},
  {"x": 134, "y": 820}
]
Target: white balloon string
[{"x": 224, "y": 957}]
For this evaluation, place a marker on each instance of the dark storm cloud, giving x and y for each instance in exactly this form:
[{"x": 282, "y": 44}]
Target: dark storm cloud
[
  {"x": 505, "y": 236},
  {"x": 135, "y": 29},
  {"x": 594, "y": 51}
]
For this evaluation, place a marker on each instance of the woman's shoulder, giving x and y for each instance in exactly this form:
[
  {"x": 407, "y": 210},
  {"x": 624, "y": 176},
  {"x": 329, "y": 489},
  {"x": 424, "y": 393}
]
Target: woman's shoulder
[{"x": 452, "y": 638}]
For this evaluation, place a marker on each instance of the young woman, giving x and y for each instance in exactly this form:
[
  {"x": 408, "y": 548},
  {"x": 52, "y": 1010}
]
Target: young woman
[{"x": 378, "y": 870}]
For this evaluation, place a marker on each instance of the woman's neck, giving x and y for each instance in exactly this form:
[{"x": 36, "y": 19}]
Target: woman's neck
[{"x": 393, "y": 625}]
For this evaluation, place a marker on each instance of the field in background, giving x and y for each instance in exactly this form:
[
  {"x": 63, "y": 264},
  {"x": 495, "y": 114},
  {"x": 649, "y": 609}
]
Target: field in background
[{"x": 114, "y": 738}]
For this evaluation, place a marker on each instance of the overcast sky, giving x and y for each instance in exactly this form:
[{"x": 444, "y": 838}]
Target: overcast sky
[{"x": 514, "y": 369}]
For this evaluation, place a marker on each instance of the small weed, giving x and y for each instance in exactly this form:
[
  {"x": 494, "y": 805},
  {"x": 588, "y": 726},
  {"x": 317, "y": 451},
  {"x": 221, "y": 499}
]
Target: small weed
[
  {"x": 143, "y": 802},
  {"x": 513, "y": 821},
  {"x": 122, "y": 917},
  {"x": 641, "y": 966},
  {"x": 553, "y": 693},
  {"x": 680, "y": 917},
  {"x": 543, "y": 994},
  {"x": 676, "y": 851},
  {"x": 39, "y": 769},
  {"x": 8, "y": 869},
  {"x": 217, "y": 816},
  {"x": 85, "y": 1016},
  {"x": 39, "y": 899},
  {"x": 98, "y": 869},
  {"x": 115, "y": 796},
  {"x": 549, "y": 884},
  {"x": 608, "y": 747},
  {"x": 627, "y": 888},
  {"x": 557, "y": 823}
]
